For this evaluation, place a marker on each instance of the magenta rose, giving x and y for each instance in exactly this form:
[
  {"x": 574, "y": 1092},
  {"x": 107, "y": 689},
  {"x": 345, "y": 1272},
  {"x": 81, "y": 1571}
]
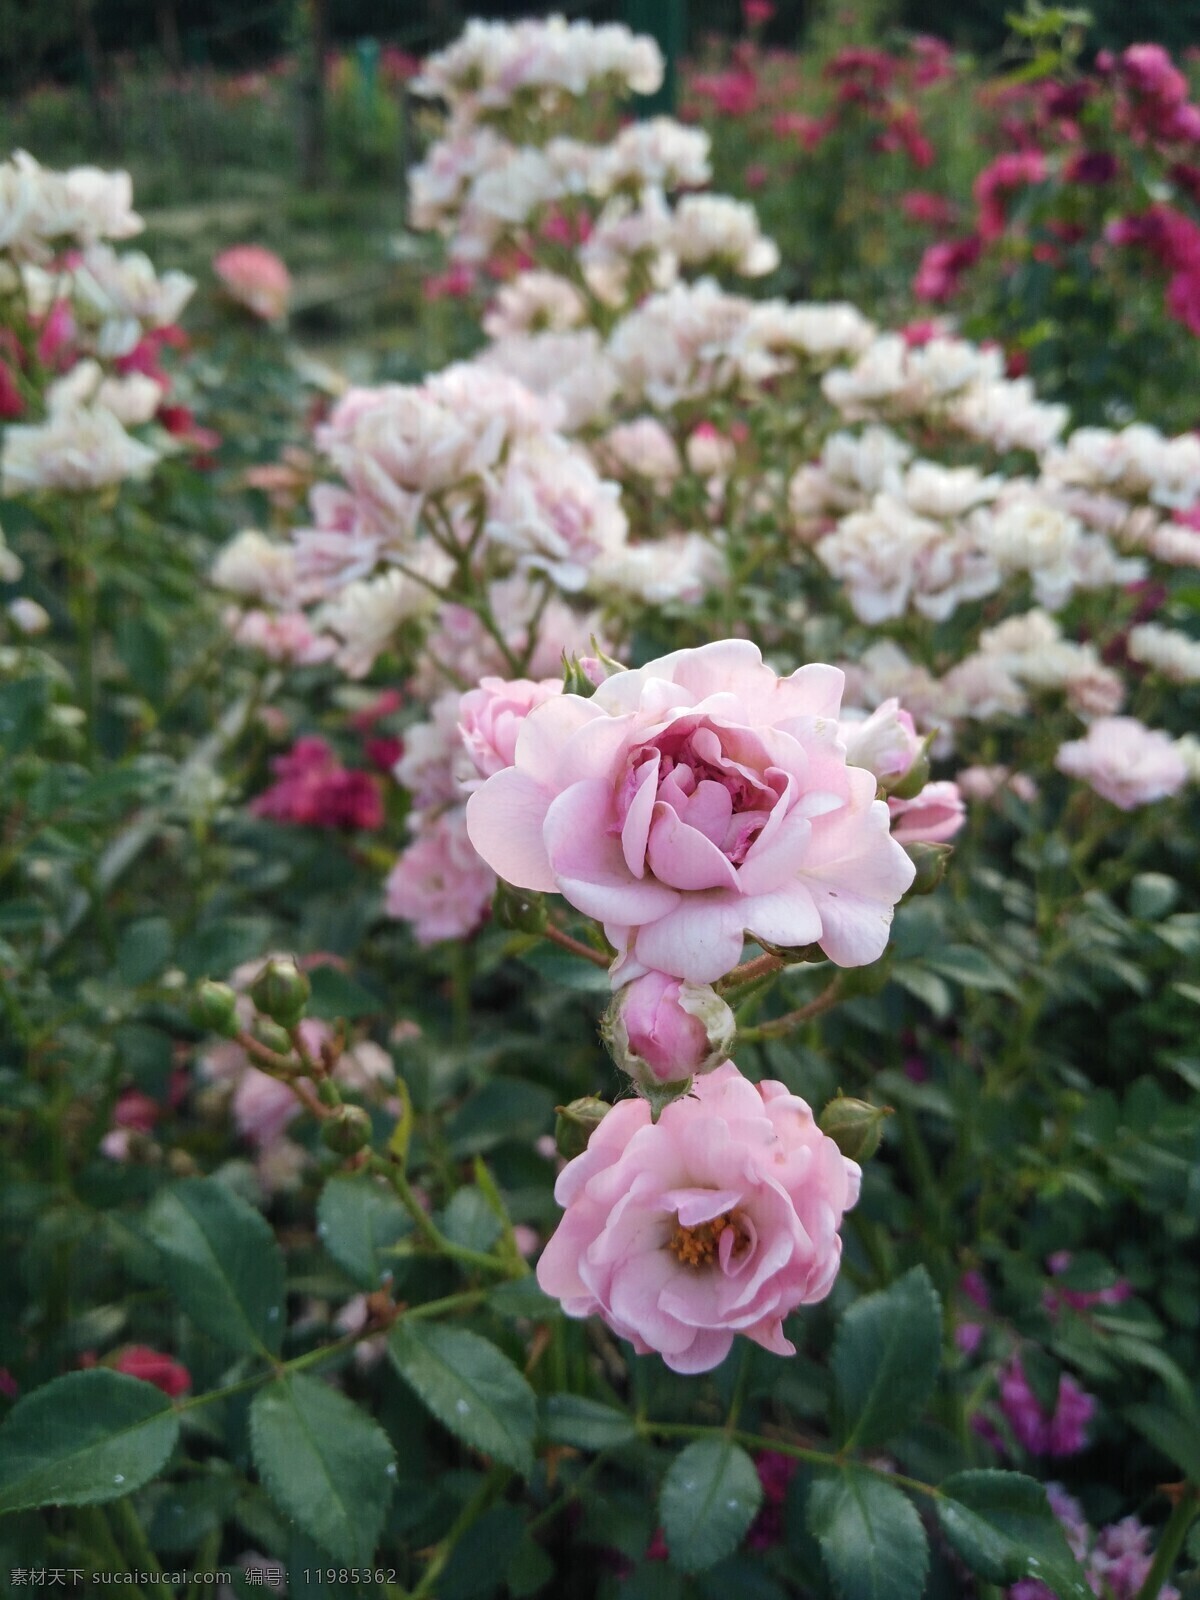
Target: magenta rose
[
  {"x": 693, "y": 801},
  {"x": 721, "y": 1218}
]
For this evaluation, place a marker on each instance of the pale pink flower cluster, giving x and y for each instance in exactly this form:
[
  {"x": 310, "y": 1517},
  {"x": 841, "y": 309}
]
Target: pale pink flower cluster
[
  {"x": 1125, "y": 762},
  {"x": 491, "y": 64},
  {"x": 81, "y": 446},
  {"x": 42, "y": 212}
]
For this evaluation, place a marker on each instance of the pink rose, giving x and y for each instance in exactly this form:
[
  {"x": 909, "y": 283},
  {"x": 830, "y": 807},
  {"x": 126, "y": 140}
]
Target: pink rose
[
  {"x": 262, "y": 1107},
  {"x": 490, "y": 718},
  {"x": 692, "y": 801},
  {"x": 662, "y": 1031},
  {"x": 720, "y": 1218},
  {"x": 931, "y": 817},
  {"x": 439, "y": 884},
  {"x": 1125, "y": 761},
  {"x": 256, "y": 278}
]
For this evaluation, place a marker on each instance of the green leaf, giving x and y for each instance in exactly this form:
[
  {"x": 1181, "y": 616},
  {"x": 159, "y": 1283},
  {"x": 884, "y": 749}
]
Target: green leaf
[
  {"x": 529, "y": 1571},
  {"x": 326, "y": 1464},
  {"x": 504, "y": 1109},
  {"x": 521, "y": 1298},
  {"x": 84, "y": 1438},
  {"x": 145, "y": 654},
  {"x": 335, "y": 994},
  {"x": 1176, "y": 1435},
  {"x": 144, "y": 950},
  {"x": 587, "y": 1424},
  {"x": 1002, "y": 1526},
  {"x": 926, "y": 985},
  {"x": 358, "y": 1222},
  {"x": 470, "y": 1221},
  {"x": 709, "y": 1498},
  {"x": 870, "y": 1535},
  {"x": 470, "y": 1387},
  {"x": 972, "y": 969},
  {"x": 1151, "y": 896},
  {"x": 885, "y": 1360},
  {"x": 221, "y": 1262},
  {"x": 23, "y": 707}
]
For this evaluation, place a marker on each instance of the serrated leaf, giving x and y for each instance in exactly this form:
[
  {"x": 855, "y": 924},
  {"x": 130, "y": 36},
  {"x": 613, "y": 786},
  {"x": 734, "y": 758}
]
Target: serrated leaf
[
  {"x": 1002, "y": 1526},
  {"x": 358, "y": 1222},
  {"x": 221, "y": 1262},
  {"x": 521, "y": 1297},
  {"x": 504, "y": 1109},
  {"x": 1176, "y": 1435},
  {"x": 870, "y": 1535},
  {"x": 586, "y": 1424},
  {"x": 926, "y": 985},
  {"x": 710, "y": 1496},
  {"x": 972, "y": 969},
  {"x": 325, "y": 1463},
  {"x": 144, "y": 950},
  {"x": 885, "y": 1360},
  {"x": 335, "y": 994},
  {"x": 83, "y": 1439},
  {"x": 470, "y": 1221},
  {"x": 470, "y": 1387}
]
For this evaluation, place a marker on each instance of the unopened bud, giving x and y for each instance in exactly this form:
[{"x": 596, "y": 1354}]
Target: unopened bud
[
  {"x": 281, "y": 991},
  {"x": 347, "y": 1131},
  {"x": 576, "y": 1123},
  {"x": 577, "y": 679},
  {"x": 854, "y": 1126},
  {"x": 662, "y": 1031},
  {"x": 931, "y": 861},
  {"x": 215, "y": 1008},
  {"x": 522, "y": 910},
  {"x": 914, "y": 780},
  {"x": 272, "y": 1036}
]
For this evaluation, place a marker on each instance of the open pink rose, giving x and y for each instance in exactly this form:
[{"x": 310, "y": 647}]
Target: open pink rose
[
  {"x": 720, "y": 1218},
  {"x": 256, "y": 278},
  {"x": 490, "y": 718},
  {"x": 692, "y": 801}
]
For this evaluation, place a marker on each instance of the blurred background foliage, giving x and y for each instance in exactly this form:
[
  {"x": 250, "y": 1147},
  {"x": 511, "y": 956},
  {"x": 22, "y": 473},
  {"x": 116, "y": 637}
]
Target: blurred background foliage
[{"x": 57, "y": 40}]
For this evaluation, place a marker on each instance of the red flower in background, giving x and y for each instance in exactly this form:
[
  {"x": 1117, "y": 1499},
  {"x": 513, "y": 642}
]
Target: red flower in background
[
  {"x": 152, "y": 1366},
  {"x": 314, "y": 790}
]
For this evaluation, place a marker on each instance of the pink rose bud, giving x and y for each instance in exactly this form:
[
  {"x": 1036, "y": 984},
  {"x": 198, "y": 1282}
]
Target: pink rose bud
[
  {"x": 886, "y": 743},
  {"x": 663, "y": 1031},
  {"x": 709, "y": 451},
  {"x": 152, "y": 1366},
  {"x": 931, "y": 817}
]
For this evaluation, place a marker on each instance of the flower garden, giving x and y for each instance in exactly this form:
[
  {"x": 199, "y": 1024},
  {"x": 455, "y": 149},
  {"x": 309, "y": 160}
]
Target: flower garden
[{"x": 600, "y": 904}]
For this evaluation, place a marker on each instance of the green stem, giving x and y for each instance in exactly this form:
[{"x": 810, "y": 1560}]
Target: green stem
[
  {"x": 133, "y": 1536},
  {"x": 82, "y": 605},
  {"x": 1171, "y": 1542},
  {"x": 575, "y": 946},
  {"x": 492, "y": 1485},
  {"x": 430, "y": 1231},
  {"x": 99, "y": 1536},
  {"x": 799, "y": 1452},
  {"x": 777, "y": 1026}
]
